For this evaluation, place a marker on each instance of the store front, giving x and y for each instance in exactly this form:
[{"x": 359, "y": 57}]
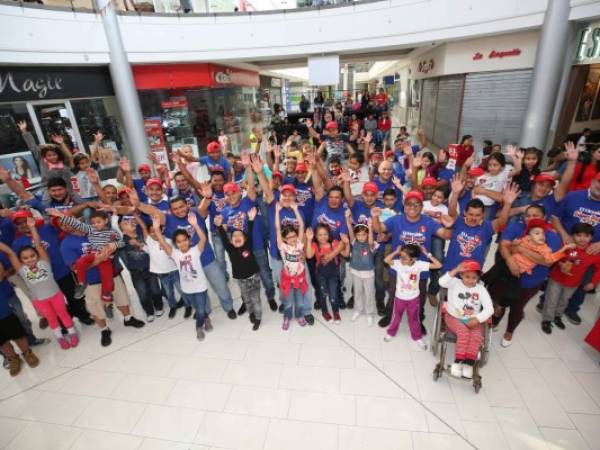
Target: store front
[
  {"x": 73, "y": 102},
  {"x": 189, "y": 104}
]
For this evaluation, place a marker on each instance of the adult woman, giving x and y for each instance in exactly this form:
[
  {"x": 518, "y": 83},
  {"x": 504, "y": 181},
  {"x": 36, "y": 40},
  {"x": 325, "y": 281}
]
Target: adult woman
[
  {"x": 22, "y": 171},
  {"x": 586, "y": 171}
]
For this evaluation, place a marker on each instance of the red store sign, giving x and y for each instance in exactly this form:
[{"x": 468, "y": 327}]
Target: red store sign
[{"x": 497, "y": 54}]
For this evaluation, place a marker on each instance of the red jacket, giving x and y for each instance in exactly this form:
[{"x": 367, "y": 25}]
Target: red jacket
[
  {"x": 589, "y": 172},
  {"x": 580, "y": 261}
]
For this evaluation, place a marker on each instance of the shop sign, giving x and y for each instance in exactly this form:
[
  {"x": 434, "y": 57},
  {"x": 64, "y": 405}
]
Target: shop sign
[
  {"x": 47, "y": 83},
  {"x": 223, "y": 77},
  {"x": 588, "y": 47},
  {"x": 155, "y": 134},
  {"x": 497, "y": 54},
  {"x": 425, "y": 66},
  {"x": 174, "y": 103}
]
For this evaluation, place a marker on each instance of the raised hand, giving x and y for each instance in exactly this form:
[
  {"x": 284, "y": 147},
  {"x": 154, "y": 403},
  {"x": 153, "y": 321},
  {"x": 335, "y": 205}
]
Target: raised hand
[
  {"x": 511, "y": 150},
  {"x": 22, "y": 126},
  {"x": 396, "y": 181},
  {"x": 407, "y": 149},
  {"x": 152, "y": 157},
  {"x": 256, "y": 163},
  {"x": 510, "y": 193},
  {"x": 57, "y": 139},
  {"x": 417, "y": 161},
  {"x": 277, "y": 152},
  {"x": 92, "y": 176},
  {"x": 245, "y": 158},
  {"x": 156, "y": 222},
  {"x": 442, "y": 157},
  {"x": 470, "y": 161},
  {"x": 133, "y": 197},
  {"x": 252, "y": 213},
  {"x": 457, "y": 184},
  {"x": 368, "y": 138},
  {"x": 124, "y": 164},
  {"x": 206, "y": 190},
  {"x": 345, "y": 175},
  {"x": 375, "y": 211},
  {"x": 572, "y": 151},
  {"x": 98, "y": 136},
  {"x": 348, "y": 213},
  {"x": 30, "y": 223},
  {"x": 192, "y": 219}
]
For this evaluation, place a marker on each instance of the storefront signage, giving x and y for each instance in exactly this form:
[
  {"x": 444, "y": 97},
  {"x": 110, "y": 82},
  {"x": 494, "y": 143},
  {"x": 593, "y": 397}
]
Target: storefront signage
[
  {"x": 44, "y": 83},
  {"x": 588, "y": 47},
  {"x": 174, "y": 103},
  {"x": 426, "y": 65},
  {"x": 181, "y": 76},
  {"x": 223, "y": 77},
  {"x": 497, "y": 54},
  {"x": 154, "y": 131}
]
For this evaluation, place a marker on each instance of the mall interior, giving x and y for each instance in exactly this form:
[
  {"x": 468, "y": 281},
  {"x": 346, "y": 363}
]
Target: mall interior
[{"x": 133, "y": 81}]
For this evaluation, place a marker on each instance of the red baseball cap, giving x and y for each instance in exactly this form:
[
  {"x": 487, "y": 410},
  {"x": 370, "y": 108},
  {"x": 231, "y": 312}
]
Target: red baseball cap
[
  {"x": 390, "y": 153},
  {"x": 542, "y": 177},
  {"x": 289, "y": 188},
  {"x": 231, "y": 187},
  {"x": 301, "y": 167},
  {"x": 331, "y": 125},
  {"x": 122, "y": 191},
  {"x": 413, "y": 195},
  {"x": 537, "y": 223},
  {"x": 213, "y": 147},
  {"x": 20, "y": 214},
  {"x": 277, "y": 174},
  {"x": 475, "y": 172},
  {"x": 370, "y": 187},
  {"x": 144, "y": 167},
  {"x": 470, "y": 265},
  {"x": 429, "y": 181},
  {"x": 155, "y": 181}
]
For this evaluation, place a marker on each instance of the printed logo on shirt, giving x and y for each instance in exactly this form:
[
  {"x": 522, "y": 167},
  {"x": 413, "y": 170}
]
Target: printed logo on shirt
[
  {"x": 220, "y": 203},
  {"x": 289, "y": 221},
  {"x": 245, "y": 253},
  {"x": 186, "y": 268},
  {"x": 37, "y": 276},
  {"x": 323, "y": 219},
  {"x": 216, "y": 168},
  {"x": 468, "y": 244},
  {"x": 589, "y": 216},
  {"x": 236, "y": 221},
  {"x": 409, "y": 237},
  {"x": 302, "y": 196},
  {"x": 86, "y": 248}
]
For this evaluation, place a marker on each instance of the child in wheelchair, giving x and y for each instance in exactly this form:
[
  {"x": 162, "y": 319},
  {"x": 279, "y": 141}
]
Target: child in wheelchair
[{"x": 467, "y": 309}]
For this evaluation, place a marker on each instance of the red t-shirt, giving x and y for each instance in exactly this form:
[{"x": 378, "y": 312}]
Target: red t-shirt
[
  {"x": 384, "y": 125},
  {"x": 588, "y": 175},
  {"x": 381, "y": 99},
  {"x": 580, "y": 261},
  {"x": 463, "y": 153},
  {"x": 322, "y": 250}
]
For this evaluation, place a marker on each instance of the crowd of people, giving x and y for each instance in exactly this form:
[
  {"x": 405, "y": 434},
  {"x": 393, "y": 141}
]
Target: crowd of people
[{"x": 398, "y": 224}]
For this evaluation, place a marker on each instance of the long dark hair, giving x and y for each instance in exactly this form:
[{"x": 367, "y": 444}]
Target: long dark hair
[
  {"x": 586, "y": 163},
  {"x": 325, "y": 227}
]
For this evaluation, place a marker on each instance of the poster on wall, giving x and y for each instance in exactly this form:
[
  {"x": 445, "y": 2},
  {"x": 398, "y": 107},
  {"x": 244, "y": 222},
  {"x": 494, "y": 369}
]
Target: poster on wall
[
  {"x": 588, "y": 94},
  {"x": 22, "y": 167},
  {"x": 107, "y": 155},
  {"x": 156, "y": 140}
]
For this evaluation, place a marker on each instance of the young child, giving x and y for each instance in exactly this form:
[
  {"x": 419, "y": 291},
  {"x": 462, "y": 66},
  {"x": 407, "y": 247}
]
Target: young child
[
  {"x": 321, "y": 245},
  {"x": 137, "y": 262},
  {"x": 33, "y": 265},
  {"x": 244, "y": 266},
  {"x": 408, "y": 268},
  {"x": 294, "y": 283},
  {"x": 83, "y": 181},
  {"x": 529, "y": 170},
  {"x": 436, "y": 209},
  {"x": 468, "y": 307},
  {"x": 362, "y": 267},
  {"x": 535, "y": 241},
  {"x": 100, "y": 235},
  {"x": 194, "y": 285},
  {"x": 567, "y": 275}
]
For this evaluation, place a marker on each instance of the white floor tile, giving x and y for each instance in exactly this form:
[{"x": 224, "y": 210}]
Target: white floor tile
[
  {"x": 9, "y": 428},
  {"x": 199, "y": 395},
  {"x": 101, "y": 440},
  {"x": 485, "y": 435},
  {"x": 304, "y": 378},
  {"x": 139, "y": 388},
  {"x": 324, "y": 356},
  {"x": 111, "y": 415},
  {"x": 433, "y": 441},
  {"x": 361, "y": 438},
  {"x": 170, "y": 423},
  {"x": 18, "y": 404},
  {"x": 403, "y": 373},
  {"x": 559, "y": 439},
  {"x": 157, "y": 444},
  {"x": 393, "y": 413},
  {"x": 368, "y": 382},
  {"x": 252, "y": 374},
  {"x": 591, "y": 384},
  {"x": 443, "y": 418},
  {"x": 589, "y": 427},
  {"x": 273, "y": 352},
  {"x": 91, "y": 382},
  {"x": 292, "y": 435},
  {"x": 43, "y": 436},
  {"x": 520, "y": 430},
  {"x": 232, "y": 431},
  {"x": 221, "y": 348},
  {"x": 258, "y": 401},
  {"x": 198, "y": 369},
  {"x": 58, "y": 408},
  {"x": 323, "y": 408}
]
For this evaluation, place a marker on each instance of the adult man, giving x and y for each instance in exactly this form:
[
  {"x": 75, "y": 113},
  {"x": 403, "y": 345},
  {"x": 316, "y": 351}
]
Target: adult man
[
  {"x": 139, "y": 184},
  {"x": 385, "y": 181},
  {"x": 215, "y": 161},
  {"x": 333, "y": 141}
]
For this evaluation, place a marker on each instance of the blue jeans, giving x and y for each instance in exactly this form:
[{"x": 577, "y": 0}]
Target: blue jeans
[
  {"x": 307, "y": 297},
  {"x": 17, "y": 308},
  {"x": 577, "y": 298},
  {"x": 328, "y": 287},
  {"x": 198, "y": 301},
  {"x": 295, "y": 299},
  {"x": 219, "y": 250},
  {"x": 264, "y": 213},
  {"x": 262, "y": 259},
  {"x": 169, "y": 282},
  {"x": 217, "y": 281},
  {"x": 148, "y": 290}
]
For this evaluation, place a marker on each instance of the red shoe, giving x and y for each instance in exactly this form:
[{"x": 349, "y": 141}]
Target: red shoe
[
  {"x": 327, "y": 317},
  {"x": 336, "y": 318}
]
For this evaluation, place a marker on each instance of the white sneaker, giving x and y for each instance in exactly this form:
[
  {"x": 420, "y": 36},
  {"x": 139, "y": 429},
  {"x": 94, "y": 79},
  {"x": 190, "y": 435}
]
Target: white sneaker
[
  {"x": 370, "y": 321},
  {"x": 159, "y": 312},
  {"x": 388, "y": 338},
  {"x": 421, "y": 344},
  {"x": 456, "y": 370},
  {"x": 355, "y": 316},
  {"x": 505, "y": 343},
  {"x": 467, "y": 371},
  {"x": 150, "y": 318}
]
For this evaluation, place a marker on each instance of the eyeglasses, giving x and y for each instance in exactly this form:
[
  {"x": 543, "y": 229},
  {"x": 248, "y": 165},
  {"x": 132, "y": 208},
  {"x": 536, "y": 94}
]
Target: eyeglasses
[{"x": 412, "y": 204}]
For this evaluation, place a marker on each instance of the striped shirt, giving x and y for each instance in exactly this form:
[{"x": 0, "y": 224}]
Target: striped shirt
[{"x": 98, "y": 239}]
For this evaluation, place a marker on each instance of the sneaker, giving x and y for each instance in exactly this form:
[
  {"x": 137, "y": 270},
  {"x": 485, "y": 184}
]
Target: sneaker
[
  {"x": 105, "y": 337},
  {"x": 208, "y": 327},
  {"x": 281, "y": 308},
  {"x": 286, "y": 323},
  {"x": 231, "y": 314},
  {"x": 31, "y": 359},
  {"x": 381, "y": 311},
  {"x": 355, "y": 316},
  {"x": 14, "y": 366},
  {"x": 301, "y": 322},
  {"x": 150, "y": 318},
  {"x": 467, "y": 371},
  {"x": 327, "y": 316},
  {"x": 506, "y": 342},
  {"x": 456, "y": 369},
  {"x": 159, "y": 312},
  {"x": 5, "y": 363},
  {"x": 40, "y": 341},
  {"x": 251, "y": 317},
  {"x": 188, "y": 312},
  {"x": 200, "y": 334},
  {"x": 350, "y": 304},
  {"x": 573, "y": 317},
  {"x": 316, "y": 305},
  {"x": 336, "y": 318},
  {"x": 309, "y": 319},
  {"x": 547, "y": 327},
  {"x": 79, "y": 291},
  {"x": 242, "y": 309},
  {"x": 64, "y": 344},
  {"x": 133, "y": 322},
  {"x": 384, "y": 321},
  {"x": 172, "y": 312},
  {"x": 559, "y": 323},
  {"x": 388, "y": 337},
  {"x": 369, "y": 321},
  {"x": 43, "y": 323},
  {"x": 74, "y": 340},
  {"x": 109, "y": 311},
  {"x": 180, "y": 304},
  {"x": 272, "y": 304},
  {"x": 256, "y": 325},
  {"x": 539, "y": 307},
  {"x": 421, "y": 344}
]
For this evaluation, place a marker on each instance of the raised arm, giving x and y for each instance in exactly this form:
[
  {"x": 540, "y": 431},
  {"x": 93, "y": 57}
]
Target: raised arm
[
  {"x": 95, "y": 180},
  {"x": 223, "y": 232},
  {"x": 345, "y": 175},
  {"x": 156, "y": 223},
  {"x": 64, "y": 149},
  {"x": 509, "y": 195},
  {"x": 14, "y": 186},
  {"x": 389, "y": 259},
  {"x": 37, "y": 242},
  {"x": 563, "y": 187},
  {"x": 144, "y": 207},
  {"x": 311, "y": 130},
  {"x": 12, "y": 256},
  {"x": 300, "y": 221},
  {"x": 201, "y": 236},
  {"x": 124, "y": 172},
  {"x": 457, "y": 186}
]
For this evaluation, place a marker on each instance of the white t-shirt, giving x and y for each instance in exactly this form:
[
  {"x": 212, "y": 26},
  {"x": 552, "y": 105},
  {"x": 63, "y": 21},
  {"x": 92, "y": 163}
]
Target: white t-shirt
[
  {"x": 464, "y": 302},
  {"x": 160, "y": 262},
  {"x": 494, "y": 183},
  {"x": 190, "y": 270},
  {"x": 581, "y": 141},
  {"x": 407, "y": 278},
  {"x": 358, "y": 180},
  {"x": 435, "y": 212},
  {"x": 292, "y": 258}
]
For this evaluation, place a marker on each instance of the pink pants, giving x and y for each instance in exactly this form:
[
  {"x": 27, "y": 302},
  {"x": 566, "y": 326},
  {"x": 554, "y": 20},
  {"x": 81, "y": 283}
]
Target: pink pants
[
  {"x": 52, "y": 309},
  {"x": 414, "y": 322},
  {"x": 468, "y": 340}
]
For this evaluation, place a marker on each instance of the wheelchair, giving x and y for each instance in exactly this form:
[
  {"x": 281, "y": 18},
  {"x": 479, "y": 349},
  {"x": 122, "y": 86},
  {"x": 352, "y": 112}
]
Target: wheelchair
[{"x": 440, "y": 339}]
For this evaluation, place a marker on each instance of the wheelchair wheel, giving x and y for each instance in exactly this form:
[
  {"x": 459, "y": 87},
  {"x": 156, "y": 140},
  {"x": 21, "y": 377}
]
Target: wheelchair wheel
[
  {"x": 435, "y": 335},
  {"x": 485, "y": 354}
]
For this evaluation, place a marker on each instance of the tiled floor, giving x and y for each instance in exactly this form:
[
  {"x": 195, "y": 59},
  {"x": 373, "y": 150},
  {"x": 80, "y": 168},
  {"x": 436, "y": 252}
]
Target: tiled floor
[{"x": 322, "y": 387}]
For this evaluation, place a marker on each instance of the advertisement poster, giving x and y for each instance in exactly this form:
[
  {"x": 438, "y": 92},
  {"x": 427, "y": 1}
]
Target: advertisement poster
[
  {"x": 107, "y": 154},
  {"x": 22, "y": 167},
  {"x": 452, "y": 156},
  {"x": 175, "y": 112},
  {"x": 586, "y": 101},
  {"x": 154, "y": 131}
]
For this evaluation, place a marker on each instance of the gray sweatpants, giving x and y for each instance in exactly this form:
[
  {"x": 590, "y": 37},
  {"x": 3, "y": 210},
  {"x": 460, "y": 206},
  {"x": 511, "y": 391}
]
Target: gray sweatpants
[
  {"x": 556, "y": 301},
  {"x": 364, "y": 294},
  {"x": 250, "y": 290}
]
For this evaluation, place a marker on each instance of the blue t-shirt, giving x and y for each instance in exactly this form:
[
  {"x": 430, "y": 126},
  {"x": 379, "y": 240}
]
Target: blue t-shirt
[
  {"x": 548, "y": 202},
  {"x": 220, "y": 165},
  {"x": 173, "y": 223},
  {"x": 421, "y": 232},
  {"x": 286, "y": 217},
  {"x": 305, "y": 199},
  {"x": 382, "y": 186},
  {"x": 236, "y": 218},
  {"x": 217, "y": 204},
  {"x": 468, "y": 243},
  {"x": 74, "y": 247},
  {"x": 578, "y": 207},
  {"x": 6, "y": 290},
  {"x": 190, "y": 196},
  {"x": 445, "y": 174},
  {"x": 7, "y": 231},
  {"x": 399, "y": 172},
  {"x": 335, "y": 219},
  {"x": 63, "y": 207},
  {"x": 540, "y": 272},
  {"x": 51, "y": 242},
  {"x": 465, "y": 198},
  {"x": 140, "y": 188}
]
